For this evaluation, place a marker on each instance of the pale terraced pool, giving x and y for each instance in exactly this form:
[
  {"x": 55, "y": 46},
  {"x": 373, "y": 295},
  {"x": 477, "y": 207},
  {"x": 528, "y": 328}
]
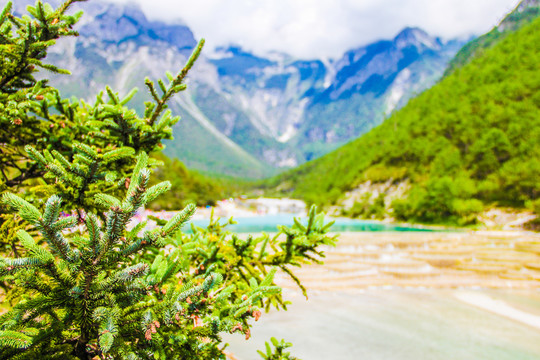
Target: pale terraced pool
[
  {"x": 468, "y": 295},
  {"x": 427, "y": 259},
  {"x": 399, "y": 324},
  {"x": 269, "y": 223}
]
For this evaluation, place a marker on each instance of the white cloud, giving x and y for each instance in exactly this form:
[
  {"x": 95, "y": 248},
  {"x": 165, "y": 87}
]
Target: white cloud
[{"x": 324, "y": 28}]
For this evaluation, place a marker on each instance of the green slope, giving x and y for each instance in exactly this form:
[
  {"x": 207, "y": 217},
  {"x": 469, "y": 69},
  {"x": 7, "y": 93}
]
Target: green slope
[
  {"x": 187, "y": 186},
  {"x": 214, "y": 154},
  {"x": 472, "y": 139},
  {"x": 523, "y": 14}
]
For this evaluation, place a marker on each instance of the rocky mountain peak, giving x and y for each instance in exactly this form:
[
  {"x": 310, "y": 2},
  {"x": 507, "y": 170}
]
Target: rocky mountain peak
[
  {"x": 525, "y": 11},
  {"x": 114, "y": 23},
  {"x": 413, "y": 36},
  {"x": 117, "y": 23},
  {"x": 526, "y": 4}
]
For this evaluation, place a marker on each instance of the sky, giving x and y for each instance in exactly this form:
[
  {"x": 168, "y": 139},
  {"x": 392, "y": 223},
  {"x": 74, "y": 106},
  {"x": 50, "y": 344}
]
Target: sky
[{"x": 324, "y": 28}]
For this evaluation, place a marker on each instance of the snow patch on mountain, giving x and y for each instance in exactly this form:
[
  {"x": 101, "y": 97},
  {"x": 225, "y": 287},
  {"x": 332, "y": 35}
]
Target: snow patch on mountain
[{"x": 398, "y": 90}]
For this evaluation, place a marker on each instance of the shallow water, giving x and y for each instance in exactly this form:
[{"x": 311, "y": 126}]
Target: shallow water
[
  {"x": 269, "y": 223},
  {"x": 373, "y": 300},
  {"x": 403, "y": 324}
]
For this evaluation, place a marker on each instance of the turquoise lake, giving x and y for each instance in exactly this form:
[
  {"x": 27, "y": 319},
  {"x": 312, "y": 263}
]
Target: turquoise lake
[{"x": 269, "y": 223}]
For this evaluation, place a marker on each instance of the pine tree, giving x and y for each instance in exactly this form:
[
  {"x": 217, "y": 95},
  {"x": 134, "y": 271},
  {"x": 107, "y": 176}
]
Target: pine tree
[
  {"x": 36, "y": 114},
  {"x": 25, "y": 101},
  {"x": 35, "y": 118},
  {"x": 86, "y": 280}
]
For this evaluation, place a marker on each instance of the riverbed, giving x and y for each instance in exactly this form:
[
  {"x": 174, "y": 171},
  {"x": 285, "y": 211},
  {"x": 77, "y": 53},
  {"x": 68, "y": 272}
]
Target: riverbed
[
  {"x": 412, "y": 295},
  {"x": 404, "y": 324}
]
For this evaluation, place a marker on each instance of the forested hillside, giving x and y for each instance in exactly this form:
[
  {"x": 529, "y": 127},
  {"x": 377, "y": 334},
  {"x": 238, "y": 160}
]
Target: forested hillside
[
  {"x": 471, "y": 140},
  {"x": 524, "y": 13},
  {"x": 187, "y": 186}
]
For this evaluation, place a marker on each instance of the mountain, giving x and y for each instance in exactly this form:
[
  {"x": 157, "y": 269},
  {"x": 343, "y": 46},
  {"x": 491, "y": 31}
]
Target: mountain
[
  {"x": 369, "y": 83},
  {"x": 525, "y": 12},
  {"x": 472, "y": 140},
  {"x": 295, "y": 103},
  {"x": 247, "y": 114},
  {"x": 118, "y": 46}
]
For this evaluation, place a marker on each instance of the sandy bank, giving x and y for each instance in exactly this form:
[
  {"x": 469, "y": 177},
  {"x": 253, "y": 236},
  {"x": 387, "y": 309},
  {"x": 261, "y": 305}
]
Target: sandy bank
[{"x": 499, "y": 307}]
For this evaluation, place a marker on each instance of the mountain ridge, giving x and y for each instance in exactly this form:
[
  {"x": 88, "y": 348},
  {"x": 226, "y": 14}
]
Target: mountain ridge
[
  {"x": 525, "y": 12},
  {"x": 470, "y": 141},
  {"x": 273, "y": 108}
]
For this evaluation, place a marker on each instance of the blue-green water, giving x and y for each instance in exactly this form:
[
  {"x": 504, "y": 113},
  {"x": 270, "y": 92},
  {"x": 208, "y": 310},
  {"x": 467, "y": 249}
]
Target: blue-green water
[{"x": 269, "y": 223}]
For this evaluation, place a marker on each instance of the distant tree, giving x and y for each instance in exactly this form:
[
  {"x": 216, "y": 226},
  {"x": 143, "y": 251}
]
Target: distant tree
[{"x": 489, "y": 152}]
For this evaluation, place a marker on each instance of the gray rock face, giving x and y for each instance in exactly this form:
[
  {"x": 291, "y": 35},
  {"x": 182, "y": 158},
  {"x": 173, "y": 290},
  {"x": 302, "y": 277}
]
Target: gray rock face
[
  {"x": 524, "y": 12},
  {"x": 526, "y": 4},
  {"x": 272, "y": 110},
  {"x": 369, "y": 83},
  {"x": 116, "y": 24}
]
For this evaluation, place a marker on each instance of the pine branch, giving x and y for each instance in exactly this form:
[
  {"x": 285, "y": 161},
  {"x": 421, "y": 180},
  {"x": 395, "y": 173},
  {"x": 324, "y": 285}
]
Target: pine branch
[
  {"x": 14, "y": 340},
  {"x": 102, "y": 290},
  {"x": 176, "y": 85}
]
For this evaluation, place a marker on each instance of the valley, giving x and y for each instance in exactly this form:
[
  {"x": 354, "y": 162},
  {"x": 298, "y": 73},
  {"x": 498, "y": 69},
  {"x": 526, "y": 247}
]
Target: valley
[{"x": 446, "y": 149}]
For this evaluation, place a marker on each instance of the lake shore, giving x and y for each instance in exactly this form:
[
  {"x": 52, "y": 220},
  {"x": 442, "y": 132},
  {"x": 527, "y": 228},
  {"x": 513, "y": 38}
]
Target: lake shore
[
  {"x": 412, "y": 295},
  {"x": 465, "y": 259},
  {"x": 404, "y": 324},
  {"x": 467, "y": 294}
]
